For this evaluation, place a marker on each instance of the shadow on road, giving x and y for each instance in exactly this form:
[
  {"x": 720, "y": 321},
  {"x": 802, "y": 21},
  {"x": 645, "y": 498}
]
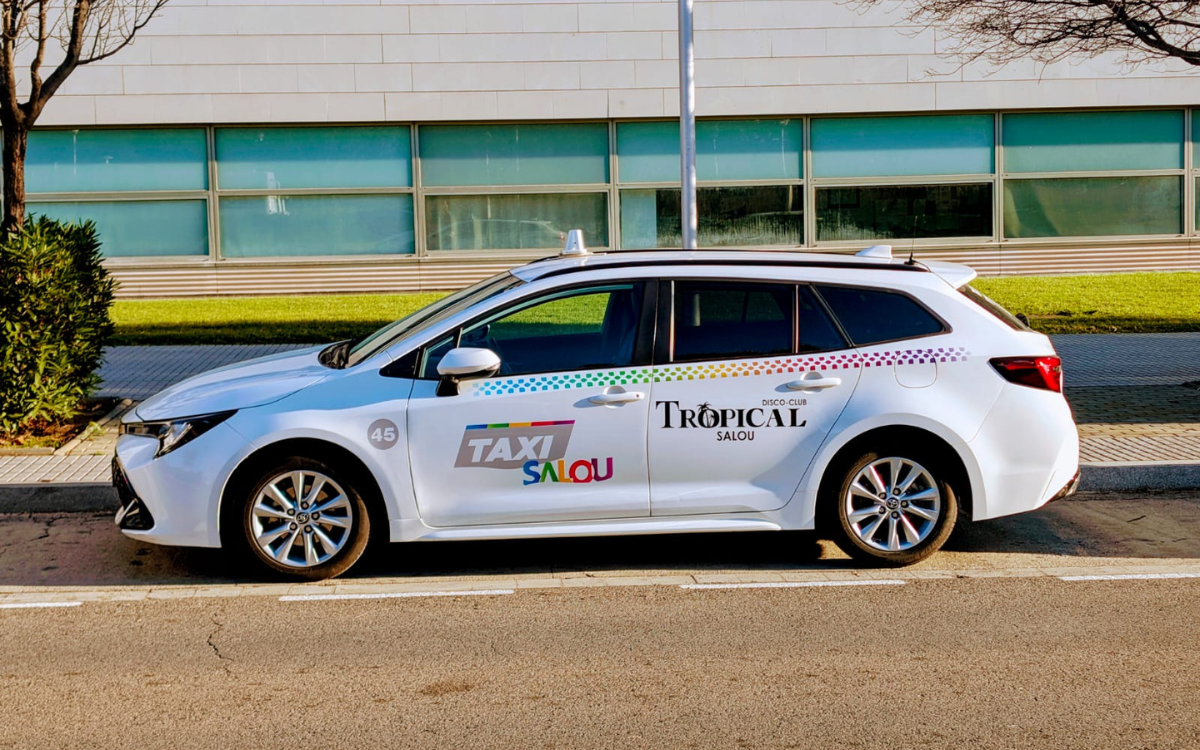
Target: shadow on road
[{"x": 87, "y": 550}]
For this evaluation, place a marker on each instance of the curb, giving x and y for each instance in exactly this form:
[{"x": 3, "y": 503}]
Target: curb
[
  {"x": 57, "y": 498},
  {"x": 91, "y": 498},
  {"x": 1136, "y": 476}
]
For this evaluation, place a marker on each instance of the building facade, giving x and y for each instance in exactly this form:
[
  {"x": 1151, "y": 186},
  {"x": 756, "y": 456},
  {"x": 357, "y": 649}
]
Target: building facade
[{"x": 288, "y": 146}]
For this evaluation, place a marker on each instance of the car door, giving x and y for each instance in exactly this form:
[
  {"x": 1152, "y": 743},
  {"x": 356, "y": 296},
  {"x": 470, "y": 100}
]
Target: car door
[
  {"x": 559, "y": 433},
  {"x": 744, "y": 396}
]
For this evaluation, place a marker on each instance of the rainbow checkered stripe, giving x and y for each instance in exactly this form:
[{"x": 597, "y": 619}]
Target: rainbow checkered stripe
[{"x": 744, "y": 368}]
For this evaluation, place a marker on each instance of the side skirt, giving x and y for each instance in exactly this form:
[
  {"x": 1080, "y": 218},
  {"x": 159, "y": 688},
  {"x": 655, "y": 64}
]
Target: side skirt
[{"x": 414, "y": 531}]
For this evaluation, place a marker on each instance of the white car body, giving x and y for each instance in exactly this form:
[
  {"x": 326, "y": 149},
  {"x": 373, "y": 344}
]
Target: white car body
[{"x": 639, "y": 464}]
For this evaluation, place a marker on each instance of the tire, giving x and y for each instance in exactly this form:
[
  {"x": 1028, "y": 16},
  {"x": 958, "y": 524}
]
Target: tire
[
  {"x": 897, "y": 528},
  {"x": 320, "y": 536}
]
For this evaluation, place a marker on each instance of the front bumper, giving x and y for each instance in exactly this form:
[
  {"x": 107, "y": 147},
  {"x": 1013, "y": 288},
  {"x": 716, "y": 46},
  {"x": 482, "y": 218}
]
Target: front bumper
[{"x": 133, "y": 514}]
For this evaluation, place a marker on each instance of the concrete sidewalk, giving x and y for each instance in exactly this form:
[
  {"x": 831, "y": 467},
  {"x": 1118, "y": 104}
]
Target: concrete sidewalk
[{"x": 1139, "y": 423}]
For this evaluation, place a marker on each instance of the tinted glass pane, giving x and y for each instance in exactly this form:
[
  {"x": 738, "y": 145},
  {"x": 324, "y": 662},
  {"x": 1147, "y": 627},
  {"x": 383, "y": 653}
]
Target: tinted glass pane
[
  {"x": 578, "y": 330},
  {"x": 904, "y": 212},
  {"x": 725, "y": 150},
  {"x": 514, "y": 222},
  {"x": 1093, "y": 206},
  {"x": 514, "y": 154},
  {"x": 138, "y": 228},
  {"x": 897, "y": 146},
  {"x": 273, "y": 225},
  {"x": 872, "y": 316},
  {"x": 283, "y": 158},
  {"x": 1195, "y": 137},
  {"x": 732, "y": 216},
  {"x": 77, "y": 161},
  {"x": 1091, "y": 141},
  {"x": 817, "y": 332},
  {"x": 723, "y": 320}
]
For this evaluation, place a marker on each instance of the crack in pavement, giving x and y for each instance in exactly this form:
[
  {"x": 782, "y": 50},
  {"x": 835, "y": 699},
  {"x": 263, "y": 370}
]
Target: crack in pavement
[{"x": 217, "y": 649}]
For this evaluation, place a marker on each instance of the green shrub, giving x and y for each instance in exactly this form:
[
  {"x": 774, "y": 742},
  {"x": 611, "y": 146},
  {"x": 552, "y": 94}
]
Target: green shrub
[{"x": 54, "y": 321}]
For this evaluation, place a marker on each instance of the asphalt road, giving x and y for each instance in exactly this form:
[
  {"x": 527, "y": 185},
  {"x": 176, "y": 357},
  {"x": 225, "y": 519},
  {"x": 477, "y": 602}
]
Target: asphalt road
[{"x": 1004, "y": 653}]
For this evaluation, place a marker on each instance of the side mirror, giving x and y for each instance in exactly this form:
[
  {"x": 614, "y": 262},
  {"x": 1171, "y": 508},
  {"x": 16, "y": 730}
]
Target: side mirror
[{"x": 465, "y": 363}]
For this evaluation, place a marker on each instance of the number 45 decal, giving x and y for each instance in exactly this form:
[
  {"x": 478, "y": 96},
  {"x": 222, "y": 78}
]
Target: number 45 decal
[{"x": 383, "y": 434}]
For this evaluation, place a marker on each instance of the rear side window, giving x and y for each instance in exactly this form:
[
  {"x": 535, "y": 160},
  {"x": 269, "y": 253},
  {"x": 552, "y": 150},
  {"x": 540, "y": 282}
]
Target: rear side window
[
  {"x": 818, "y": 333},
  {"x": 730, "y": 320},
  {"x": 873, "y": 316}
]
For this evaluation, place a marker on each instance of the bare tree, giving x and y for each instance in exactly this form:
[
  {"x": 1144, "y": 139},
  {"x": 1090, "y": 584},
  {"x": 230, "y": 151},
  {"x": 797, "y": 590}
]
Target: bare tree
[
  {"x": 1047, "y": 31},
  {"x": 59, "y": 35}
]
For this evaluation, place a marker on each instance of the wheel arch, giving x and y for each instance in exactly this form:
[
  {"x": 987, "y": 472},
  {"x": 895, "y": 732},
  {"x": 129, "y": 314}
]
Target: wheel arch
[
  {"x": 899, "y": 434},
  {"x": 308, "y": 447}
]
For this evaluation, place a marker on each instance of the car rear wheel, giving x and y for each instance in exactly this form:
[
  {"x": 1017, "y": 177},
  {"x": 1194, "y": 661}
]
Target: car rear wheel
[
  {"x": 304, "y": 519},
  {"x": 894, "y": 507}
]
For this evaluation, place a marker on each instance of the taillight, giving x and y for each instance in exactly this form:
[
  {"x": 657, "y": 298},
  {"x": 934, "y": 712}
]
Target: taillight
[{"x": 1035, "y": 372}]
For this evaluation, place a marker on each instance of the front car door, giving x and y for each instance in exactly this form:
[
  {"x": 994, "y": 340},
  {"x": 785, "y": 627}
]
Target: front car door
[
  {"x": 749, "y": 379},
  {"x": 559, "y": 433}
]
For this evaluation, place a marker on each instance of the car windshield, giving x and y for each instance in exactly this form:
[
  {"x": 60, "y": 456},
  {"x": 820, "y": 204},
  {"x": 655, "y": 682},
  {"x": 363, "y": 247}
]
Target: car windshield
[{"x": 431, "y": 315}]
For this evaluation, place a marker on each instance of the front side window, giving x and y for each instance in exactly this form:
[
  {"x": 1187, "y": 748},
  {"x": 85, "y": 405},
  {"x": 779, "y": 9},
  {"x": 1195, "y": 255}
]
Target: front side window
[
  {"x": 578, "y": 329},
  {"x": 431, "y": 315},
  {"x": 874, "y": 316},
  {"x": 727, "y": 320}
]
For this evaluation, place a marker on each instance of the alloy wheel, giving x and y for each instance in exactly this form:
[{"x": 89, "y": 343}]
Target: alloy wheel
[
  {"x": 892, "y": 504},
  {"x": 301, "y": 519}
]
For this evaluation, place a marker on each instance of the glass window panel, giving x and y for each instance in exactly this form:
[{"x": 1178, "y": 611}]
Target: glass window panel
[
  {"x": 724, "y": 320},
  {"x": 514, "y": 222},
  {"x": 334, "y": 157},
  {"x": 275, "y": 225},
  {"x": 1196, "y": 138},
  {"x": 80, "y": 161},
  {"x": 1092, "y": 206},
  {"x": 1093, "y": 141},
  {"x": 873, "y": 316},
  {"x": 523, "y": 154},
  {"x": 138, "y": 228},
  {"x": 904, "y": 212},
  {"x": 900, "y": 146},
  {"x": 725, "y": 150},
  {"x": 817, "y": 331},
  {"x": 576, "y": 330},
  {"x": 729, "y": 216}
]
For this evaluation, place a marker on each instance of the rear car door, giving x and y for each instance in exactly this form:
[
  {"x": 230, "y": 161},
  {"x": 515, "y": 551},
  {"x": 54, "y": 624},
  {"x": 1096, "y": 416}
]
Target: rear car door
[
  {"x": 749, "y": 379},
  {"x": 559, "y": 434}
]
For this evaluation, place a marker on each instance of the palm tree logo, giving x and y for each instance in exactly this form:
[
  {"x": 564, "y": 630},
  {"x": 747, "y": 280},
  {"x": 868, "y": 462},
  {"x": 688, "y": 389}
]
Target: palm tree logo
[{"x": 707, "y": 416}]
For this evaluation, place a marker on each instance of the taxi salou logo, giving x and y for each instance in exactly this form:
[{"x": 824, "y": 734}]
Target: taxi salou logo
[
  {"x": 538, "y": 449},
  {"x": 733, "y": 424}
]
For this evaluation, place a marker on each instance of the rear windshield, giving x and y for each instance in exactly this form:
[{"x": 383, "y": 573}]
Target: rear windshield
[{"x": 987, "y": 303}]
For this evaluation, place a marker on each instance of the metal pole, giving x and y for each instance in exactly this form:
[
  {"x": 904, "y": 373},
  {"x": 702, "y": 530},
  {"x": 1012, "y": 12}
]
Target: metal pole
[{"x": 689, "y": 217}]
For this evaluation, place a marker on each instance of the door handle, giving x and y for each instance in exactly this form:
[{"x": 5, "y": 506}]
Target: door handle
[
  {"x": 620, "y": 397},
  {"x": 814, "y": 384}
]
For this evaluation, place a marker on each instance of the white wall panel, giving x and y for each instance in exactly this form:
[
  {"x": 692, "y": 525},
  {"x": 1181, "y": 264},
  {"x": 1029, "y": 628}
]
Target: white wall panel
[{"x": 221, "y": 61}]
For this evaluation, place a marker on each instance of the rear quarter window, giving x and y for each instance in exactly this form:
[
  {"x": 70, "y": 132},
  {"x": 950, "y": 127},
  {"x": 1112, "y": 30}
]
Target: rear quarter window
[
  {"x": 875, "y": 316},
  {"x": 990, "y": 305}
]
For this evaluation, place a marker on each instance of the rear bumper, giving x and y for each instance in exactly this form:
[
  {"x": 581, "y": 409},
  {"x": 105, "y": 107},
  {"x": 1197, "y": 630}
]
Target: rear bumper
[{"x": 1027, "y": 451}]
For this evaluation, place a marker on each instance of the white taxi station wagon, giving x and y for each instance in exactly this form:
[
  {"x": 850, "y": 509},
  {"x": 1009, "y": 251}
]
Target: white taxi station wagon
[{"x": 874, "y": 399}]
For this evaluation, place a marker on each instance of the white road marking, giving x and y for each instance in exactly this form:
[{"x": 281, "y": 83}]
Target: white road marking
[
  {"x": 391, "y": 595},
  {"x": 790, "y": 584},
  {"x": 1132, "y": 577},
  {"x": 38, "y": 605}
]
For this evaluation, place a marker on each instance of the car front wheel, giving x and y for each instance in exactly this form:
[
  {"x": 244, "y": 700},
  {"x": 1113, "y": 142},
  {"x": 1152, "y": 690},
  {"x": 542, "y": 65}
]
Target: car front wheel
[
  {"x": 304, "y": 519},
  {"x": 894, "y": 508}
]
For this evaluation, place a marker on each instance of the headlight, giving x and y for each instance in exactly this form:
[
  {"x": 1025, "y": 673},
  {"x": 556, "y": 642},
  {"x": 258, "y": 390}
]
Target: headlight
[{"x": 175, "y": 433}]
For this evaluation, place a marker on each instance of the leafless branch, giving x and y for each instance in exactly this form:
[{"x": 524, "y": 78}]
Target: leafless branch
[{"x": 1048, "y": 31}]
